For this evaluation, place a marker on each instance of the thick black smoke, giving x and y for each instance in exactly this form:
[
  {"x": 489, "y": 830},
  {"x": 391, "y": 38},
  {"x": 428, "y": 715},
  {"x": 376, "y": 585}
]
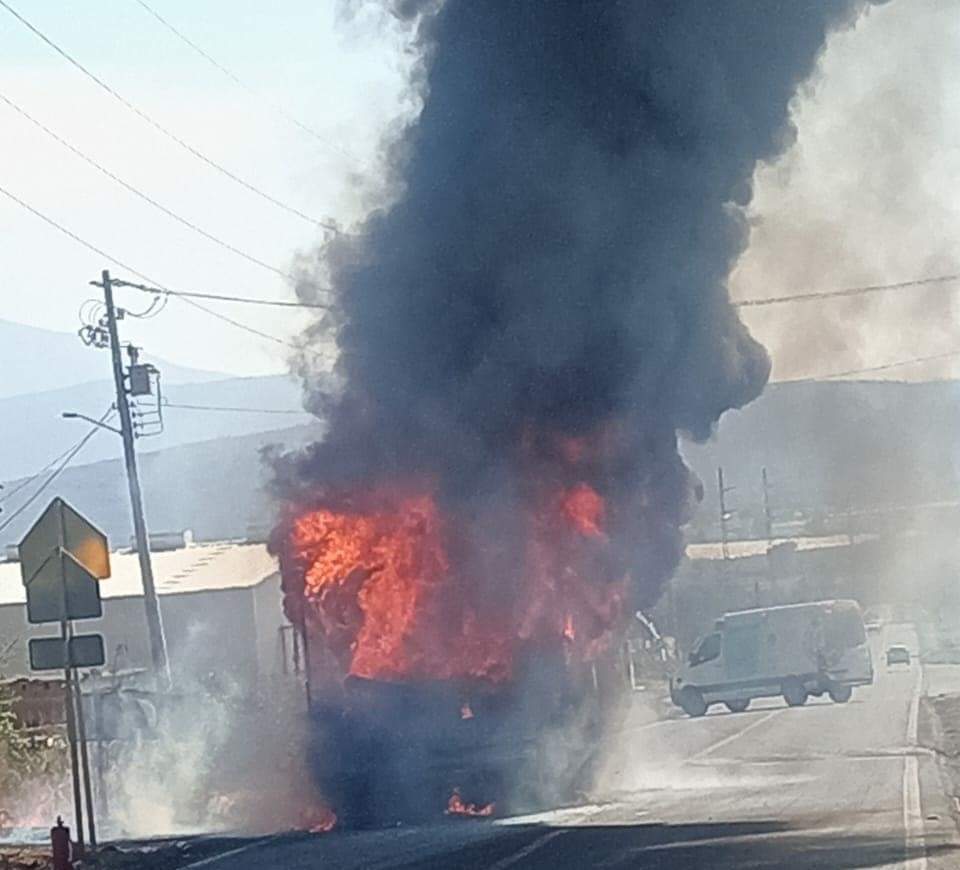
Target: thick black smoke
[{"x": 556, "y": 259}]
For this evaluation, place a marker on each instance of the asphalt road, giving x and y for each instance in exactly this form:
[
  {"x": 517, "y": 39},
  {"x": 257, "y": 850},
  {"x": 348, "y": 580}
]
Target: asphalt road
[{"x": 825, "y": 785}]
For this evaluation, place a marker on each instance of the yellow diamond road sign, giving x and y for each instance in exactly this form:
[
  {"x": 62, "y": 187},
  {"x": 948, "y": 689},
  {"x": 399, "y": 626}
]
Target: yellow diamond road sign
[
  {"x": 61, "y": 559},
  {"x": 61, "y": 527}
]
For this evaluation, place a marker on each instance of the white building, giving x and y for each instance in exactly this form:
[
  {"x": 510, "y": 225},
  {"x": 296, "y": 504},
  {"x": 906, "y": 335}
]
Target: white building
[{"x": 221, "y": 606}]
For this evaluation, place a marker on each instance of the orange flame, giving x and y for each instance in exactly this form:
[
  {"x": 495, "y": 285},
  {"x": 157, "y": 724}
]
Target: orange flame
[
  {"x": 389, "y": 602},
  {"x": 457, "y": 806},
  {"x": 584, "y": 509},
  {"x": 319, "y": 820}
]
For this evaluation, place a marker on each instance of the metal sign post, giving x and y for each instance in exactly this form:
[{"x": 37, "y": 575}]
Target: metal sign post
[{"x": 61, "y": 559}]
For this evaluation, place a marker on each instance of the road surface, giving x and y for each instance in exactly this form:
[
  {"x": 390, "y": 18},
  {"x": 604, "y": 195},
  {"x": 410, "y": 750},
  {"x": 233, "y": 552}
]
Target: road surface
[{"x": 825, "y": 785}]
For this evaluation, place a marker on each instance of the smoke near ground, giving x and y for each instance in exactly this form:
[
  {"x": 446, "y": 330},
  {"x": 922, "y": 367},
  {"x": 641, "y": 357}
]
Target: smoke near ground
[{"x": 214, "y": 761}]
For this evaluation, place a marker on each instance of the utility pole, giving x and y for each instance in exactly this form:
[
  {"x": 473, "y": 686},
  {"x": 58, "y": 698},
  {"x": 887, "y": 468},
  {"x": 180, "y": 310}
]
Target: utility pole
[
  {"x": 158, "y": 644},
  {"x": 768, "y": 522},
  {"x": 724, "y": 516},
  {"x": 768, "y": 530}
]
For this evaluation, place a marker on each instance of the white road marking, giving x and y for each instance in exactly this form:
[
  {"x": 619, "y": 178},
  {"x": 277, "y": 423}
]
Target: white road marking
[
  {"x": 729, "y": 739},
  {"x": 528, "y": 850},
  {"x": 212, "y": 859},
  {"x": 912, "y": 812},
  {"x": 540, "y": 842}
]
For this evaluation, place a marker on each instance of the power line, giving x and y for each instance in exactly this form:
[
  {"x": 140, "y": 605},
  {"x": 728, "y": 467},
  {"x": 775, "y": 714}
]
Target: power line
[
  {"x": 236, "y": 323},
  {"x": 220, "y": 297},
  {"x": 848, "y": 291},
  {"x": 881, "y": 368},
  {"x": 139, "y": 193},
  {"x": 327, "y": 225},
  {"x": 23, "y": 484},
  {"x": 184, "y": 407},
  {"x": 64, "y": 462},
  {"x": 325, "y": 140},
  {"x": 100, "y": 252}
]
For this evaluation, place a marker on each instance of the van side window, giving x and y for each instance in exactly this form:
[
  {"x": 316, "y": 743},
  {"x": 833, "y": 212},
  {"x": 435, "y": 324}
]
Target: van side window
[{"x": 707, "y": 650}]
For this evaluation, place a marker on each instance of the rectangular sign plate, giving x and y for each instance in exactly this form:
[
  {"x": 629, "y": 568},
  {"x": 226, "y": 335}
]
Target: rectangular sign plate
[
  {"x": 60, "y": 589},
  {"x": 86, "y": 651}
]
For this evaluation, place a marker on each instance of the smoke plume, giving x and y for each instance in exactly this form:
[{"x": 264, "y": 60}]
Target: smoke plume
[
  {"x": 545, "y": 297},
  {"x": 858, "y": 200}
]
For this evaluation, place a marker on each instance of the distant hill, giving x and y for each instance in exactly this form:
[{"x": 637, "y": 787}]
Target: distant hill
[
  {"x": 59, "y": 359},
  {"x": 834, "y": 445},
  {"x": 215, "y": 488},
  {"x": 33, "y": 431},
  {"x": 825, "y": 446}
]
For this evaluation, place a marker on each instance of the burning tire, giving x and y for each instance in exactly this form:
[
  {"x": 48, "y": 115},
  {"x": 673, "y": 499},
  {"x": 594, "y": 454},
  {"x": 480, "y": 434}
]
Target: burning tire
[
  {"x": 840, "y": 693},
  {"x": 692, "y": 703},
  {"x": 794, "y": 693}
]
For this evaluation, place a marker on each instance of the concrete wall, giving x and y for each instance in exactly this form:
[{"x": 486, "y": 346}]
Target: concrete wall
[
  {"x": 230, "y": 636},
  {"x": 268, "y": 622}
]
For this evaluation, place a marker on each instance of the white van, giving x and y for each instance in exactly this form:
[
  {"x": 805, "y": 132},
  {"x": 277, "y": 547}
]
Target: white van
[{"x": 795, "y": 651}]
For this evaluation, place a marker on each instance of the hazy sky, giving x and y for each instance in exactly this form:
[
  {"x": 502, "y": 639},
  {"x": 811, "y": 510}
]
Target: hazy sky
[
  {"x": 344, "y": 81},
  {"x": 867, "y": 195},
  {"x": 864, "y": 196}
]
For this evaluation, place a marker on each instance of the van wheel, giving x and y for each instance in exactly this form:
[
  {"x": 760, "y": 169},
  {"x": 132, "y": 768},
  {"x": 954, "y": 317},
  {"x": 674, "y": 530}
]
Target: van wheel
[
  {"x": 840, "y": 693},
  {"x": 793, "y": 692},
  {"x": 737, "y": 706},
  {"x": 691, "y": 700}
]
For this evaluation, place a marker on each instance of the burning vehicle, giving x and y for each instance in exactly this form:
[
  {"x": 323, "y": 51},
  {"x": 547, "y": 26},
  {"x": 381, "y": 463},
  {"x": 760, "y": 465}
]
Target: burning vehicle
[
  {"x": 431, "y": 689},
  {"x": 521, "y": 331}
]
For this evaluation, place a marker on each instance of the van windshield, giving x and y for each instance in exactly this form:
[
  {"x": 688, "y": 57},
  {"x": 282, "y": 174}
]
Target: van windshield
[
  {"x": 707, "y": 649},
  {"x": 843, "y": 628}
]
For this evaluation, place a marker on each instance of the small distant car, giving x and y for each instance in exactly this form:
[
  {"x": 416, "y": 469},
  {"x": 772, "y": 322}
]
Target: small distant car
[{"x": 898, "y": 655}]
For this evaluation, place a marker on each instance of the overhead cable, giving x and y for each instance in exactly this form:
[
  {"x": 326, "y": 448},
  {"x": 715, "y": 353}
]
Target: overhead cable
[
  {"x": 23, "y": 484},
  {"x": 324, "y": 224},
  {"x": 220, "y": 297},
  {"x": 61, "y": 466},
  {"x": 325, "y": 140},
  {"x": 100, "y": 252},
  {"x": 188, "y": 407},
  {"x": 139, "y": 193},
  {"x": 848, "y": 291},
  {"x": 868, "y": 370}
]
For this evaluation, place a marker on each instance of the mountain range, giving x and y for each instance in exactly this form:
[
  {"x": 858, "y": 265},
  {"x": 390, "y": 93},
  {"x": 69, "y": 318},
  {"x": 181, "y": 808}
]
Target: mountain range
[
  {"x": 826, "y": 447},
  {"x": 34, "y": 360}
]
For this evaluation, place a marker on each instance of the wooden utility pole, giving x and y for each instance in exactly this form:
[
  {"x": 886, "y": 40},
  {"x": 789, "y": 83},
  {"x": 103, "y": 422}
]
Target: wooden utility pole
[{"x": 158, "y": 644}]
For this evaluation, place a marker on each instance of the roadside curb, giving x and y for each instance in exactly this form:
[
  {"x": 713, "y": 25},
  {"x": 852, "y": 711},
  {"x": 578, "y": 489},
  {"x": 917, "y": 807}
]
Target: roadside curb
[{"x": 932, "y": 736}]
